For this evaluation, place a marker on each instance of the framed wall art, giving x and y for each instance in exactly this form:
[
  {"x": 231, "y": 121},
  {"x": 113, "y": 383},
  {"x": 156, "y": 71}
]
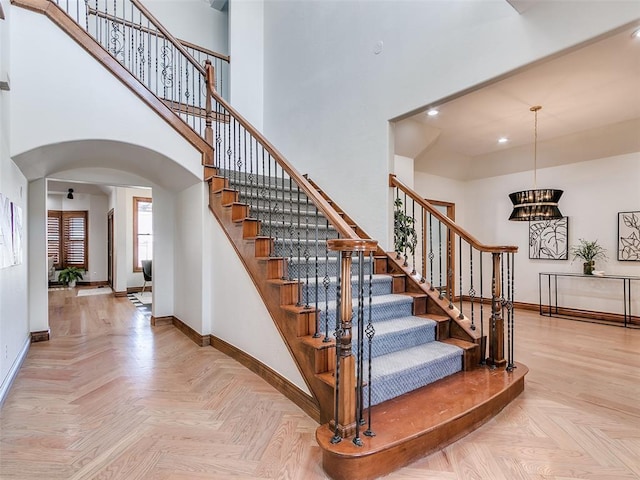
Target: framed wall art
[
  {"x": 629, "y": 236},
  {"x": 548, "y": 239}
]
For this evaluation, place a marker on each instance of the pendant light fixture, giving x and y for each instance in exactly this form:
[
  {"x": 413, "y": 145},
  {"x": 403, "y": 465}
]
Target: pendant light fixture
[
  {"x": 536, "y": 204},
  {"x": 70, "y": 194}
]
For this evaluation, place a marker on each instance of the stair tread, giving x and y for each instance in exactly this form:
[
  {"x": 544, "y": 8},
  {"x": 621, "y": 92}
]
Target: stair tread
[
  {"x": 376, "y": 278},
  {"x": 395, "y": 363},
  {"x": 398, "y": 324},
  {"x": 464, "y": 344},
  {"x": 390, "y": 298}
]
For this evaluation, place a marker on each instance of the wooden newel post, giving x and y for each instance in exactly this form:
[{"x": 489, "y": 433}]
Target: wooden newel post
[
  {"x": 496, "y": 332},
  {"x": 208, "y": 131},
  {"x": 345, "y": 391}
]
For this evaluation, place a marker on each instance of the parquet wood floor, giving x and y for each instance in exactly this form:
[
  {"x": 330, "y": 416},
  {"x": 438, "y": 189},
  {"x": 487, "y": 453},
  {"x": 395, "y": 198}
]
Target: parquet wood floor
[{"x": 109, "y": 397}]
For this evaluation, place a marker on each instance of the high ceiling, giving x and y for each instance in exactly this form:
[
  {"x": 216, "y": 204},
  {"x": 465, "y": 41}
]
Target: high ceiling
[{"x": 590, "y": 100}]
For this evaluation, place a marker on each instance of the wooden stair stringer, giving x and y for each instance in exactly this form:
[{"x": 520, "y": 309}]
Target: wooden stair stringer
[{"x": 303, "y": 353}]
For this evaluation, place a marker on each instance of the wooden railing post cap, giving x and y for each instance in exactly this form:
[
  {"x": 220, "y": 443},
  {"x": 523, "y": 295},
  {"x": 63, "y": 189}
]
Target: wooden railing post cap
[{"x": 352, "y": 245}]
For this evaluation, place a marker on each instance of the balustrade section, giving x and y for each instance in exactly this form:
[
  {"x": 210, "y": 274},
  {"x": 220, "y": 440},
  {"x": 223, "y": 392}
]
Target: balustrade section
[
  {"x": 476, "y": 280},
  {"x": 171, "y": 69}
]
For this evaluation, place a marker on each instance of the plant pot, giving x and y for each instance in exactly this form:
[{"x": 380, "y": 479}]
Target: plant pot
[
  {"x": 72, "y": 284},
  {"x": 589, "y": 267}
]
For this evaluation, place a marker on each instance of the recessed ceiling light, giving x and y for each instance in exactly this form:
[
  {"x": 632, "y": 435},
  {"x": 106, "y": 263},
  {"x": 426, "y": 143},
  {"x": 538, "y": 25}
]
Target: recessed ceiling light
[
  {"x": 636, "y": 33},
  {"x": 433, "y": 112},
  {"x": 503, "y": 140}
]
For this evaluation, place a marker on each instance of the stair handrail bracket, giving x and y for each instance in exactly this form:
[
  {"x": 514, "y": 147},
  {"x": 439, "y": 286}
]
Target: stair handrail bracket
[{"x": 448, "y": 261}]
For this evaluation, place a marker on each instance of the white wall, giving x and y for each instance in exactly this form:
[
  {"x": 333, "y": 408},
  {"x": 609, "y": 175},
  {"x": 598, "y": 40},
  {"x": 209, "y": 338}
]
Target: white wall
[
  {"x": 194, "y": 21},
  {"x": 191, "y": 286},
  {"x": 403, "y": 169},
  {"x": 246, "y": 46},
  {"x": 594, "y": 193},
  {"x": 14, "y": 312},
  {"x": 164, "y": 251},
  {"x": 97, "y": 207},
  {"x": 328, "y": 95},
  {"x": 238, "y": 314}
]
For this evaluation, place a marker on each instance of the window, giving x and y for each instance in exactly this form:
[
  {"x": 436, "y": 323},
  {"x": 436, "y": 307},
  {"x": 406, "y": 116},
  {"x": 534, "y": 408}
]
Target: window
[
  {"x": 67, "y": 238},
  {"x": 142, "y": 231}
]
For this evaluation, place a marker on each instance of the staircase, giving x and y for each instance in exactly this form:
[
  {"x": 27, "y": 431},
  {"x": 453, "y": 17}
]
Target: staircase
[
  {"x": 374, "y": 340},
  {"x": 406, "y": 351}
]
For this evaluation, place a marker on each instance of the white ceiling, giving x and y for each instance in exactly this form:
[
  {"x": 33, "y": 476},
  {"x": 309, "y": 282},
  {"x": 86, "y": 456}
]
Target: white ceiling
[{"x": 590, "y": 100}]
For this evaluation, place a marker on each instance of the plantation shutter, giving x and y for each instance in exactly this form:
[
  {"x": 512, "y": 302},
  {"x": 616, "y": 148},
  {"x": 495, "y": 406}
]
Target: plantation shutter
[
  {"x": 74, "y": 231},
  {"x": 54, "y": 241}
]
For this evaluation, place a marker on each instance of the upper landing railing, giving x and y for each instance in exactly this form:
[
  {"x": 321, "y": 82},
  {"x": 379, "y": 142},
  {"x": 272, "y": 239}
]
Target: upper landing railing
[
  {"x": 172, "y": 69},
  {"x": 468, "y": 274}
]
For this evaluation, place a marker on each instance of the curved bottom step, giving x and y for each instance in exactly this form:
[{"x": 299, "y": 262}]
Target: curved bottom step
[{"x": 413, "y": 425}]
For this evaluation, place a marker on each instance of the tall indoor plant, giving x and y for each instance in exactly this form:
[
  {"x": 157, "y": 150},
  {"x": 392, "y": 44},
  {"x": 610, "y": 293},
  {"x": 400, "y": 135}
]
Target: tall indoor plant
[
  {"x": 404, "y": 233},
  {"x": 589, "y": 252}
]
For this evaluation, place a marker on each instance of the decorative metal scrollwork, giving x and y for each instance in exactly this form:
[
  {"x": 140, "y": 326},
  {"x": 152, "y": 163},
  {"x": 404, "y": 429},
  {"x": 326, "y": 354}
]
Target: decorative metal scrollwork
[
  {"x": 116, "y": 46},
  {"x": 166, "y": 66}
]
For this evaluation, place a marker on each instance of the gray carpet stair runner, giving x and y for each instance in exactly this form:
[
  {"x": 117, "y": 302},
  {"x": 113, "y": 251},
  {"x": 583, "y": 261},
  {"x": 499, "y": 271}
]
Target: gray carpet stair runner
[{"x": 404, "y": 352}]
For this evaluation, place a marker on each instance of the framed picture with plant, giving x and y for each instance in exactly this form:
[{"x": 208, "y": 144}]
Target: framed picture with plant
[
  {"x": 629, "y": 236},
  {"x": 548, "y": 239}
]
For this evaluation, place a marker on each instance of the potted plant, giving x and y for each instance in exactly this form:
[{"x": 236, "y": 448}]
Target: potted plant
[
  {"x": 589, "y": 252},
  {"x": 404, "y": 233},
  {"x": 70, "y": 275}
]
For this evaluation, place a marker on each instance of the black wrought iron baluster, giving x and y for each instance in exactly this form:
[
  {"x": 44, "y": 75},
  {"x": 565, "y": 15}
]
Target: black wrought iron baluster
[
  {"x": 299, "y": 253},
  {"x": 360, "y": 352},
  {"x": 271, "y": 218},
  {"x": 236, "y": 154},
  {"x": 141, "y": 51},
  {"x": 244, "y": 183},
  {"x": 338, "y": 336},
  {"x": 450, "y": 244},
  {"x": 252, "y": 187},
  {"x": 261, "y": 189},
  {"x": 413, "y": 237},
  {"x": 86, "y": 15},
  {"x": 483, "y": 345},
  {"x": 472, "y": 292},
  {"x": 326, "y": 283},
  {"x": 317, "y": 276},
  {"x": 395, "y": 225},
  {"x": 460, "y": 288},
  {"x": 291, "y": 225},
  {"x": 179, "y": 74},
  {"x": 404, "y": 209},
  {"x": 441, "y": 285},
  {"x": 307, "y": 253},
  {"x": 370, "y": 332},
  {"x": 423, "y": 245},
  {"x": 431, "y": 254},
  {"x": 512, "y": 299},
  {"x": 149, "y": 54},
  {"x": 283, "y": 250},
  {"x": 157, "y": 89},
  {"x": 229, "y": 149}
]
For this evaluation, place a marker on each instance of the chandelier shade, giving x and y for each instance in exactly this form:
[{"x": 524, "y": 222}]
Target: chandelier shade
[
  {"x": 538, "y": 203},
  {"x": 541, "y": 204}
]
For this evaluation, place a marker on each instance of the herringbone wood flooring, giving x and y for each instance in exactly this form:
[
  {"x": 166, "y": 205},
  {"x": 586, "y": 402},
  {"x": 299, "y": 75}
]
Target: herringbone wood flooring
[{"x": 111, "y": 397}]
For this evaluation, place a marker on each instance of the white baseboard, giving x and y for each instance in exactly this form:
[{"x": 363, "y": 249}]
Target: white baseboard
[{"x": 8, "y": 381}]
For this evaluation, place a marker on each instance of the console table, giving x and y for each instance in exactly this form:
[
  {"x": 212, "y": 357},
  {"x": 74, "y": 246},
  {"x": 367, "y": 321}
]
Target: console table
[{"x": 552, "y": 290}]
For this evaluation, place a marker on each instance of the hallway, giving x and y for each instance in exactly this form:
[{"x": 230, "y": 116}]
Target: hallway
[{"x": 111, "y": 397}]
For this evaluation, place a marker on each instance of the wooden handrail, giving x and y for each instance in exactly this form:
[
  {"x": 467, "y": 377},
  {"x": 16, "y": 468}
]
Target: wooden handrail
[
  {"x": 141, "y": 28},
  {"x": 336, "y": 220},
  {"x": 394, "y": 182}
]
